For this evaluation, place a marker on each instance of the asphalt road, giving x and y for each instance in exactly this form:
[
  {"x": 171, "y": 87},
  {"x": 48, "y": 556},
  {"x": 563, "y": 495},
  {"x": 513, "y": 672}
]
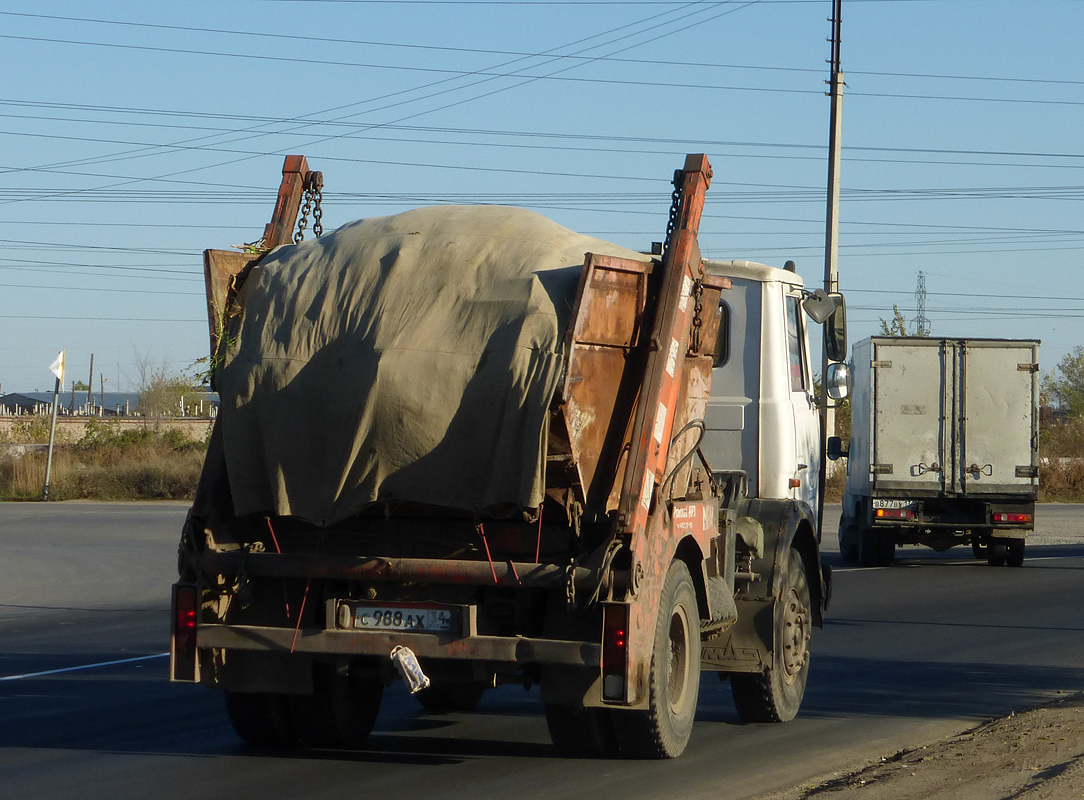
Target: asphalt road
[{"x": 911, "y": 653}]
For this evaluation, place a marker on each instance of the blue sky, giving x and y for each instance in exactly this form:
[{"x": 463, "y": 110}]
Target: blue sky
[{"x": 135, "y": 135}]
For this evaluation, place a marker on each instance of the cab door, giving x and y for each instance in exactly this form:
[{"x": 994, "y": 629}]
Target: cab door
[{"x": 805, "y": 484}]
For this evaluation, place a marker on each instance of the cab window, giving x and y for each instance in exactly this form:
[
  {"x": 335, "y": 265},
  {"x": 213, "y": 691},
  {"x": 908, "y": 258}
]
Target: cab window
[
  {"x": 722, "y": 339},
  {"x": 795, "y": 355}
]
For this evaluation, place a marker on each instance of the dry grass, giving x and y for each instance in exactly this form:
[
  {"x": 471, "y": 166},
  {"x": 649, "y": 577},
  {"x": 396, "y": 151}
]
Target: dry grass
[
  {"x": 108, "y": 465},
  {"x": 1061, "y": 470},
  {"x": 1062, "y": 481}
]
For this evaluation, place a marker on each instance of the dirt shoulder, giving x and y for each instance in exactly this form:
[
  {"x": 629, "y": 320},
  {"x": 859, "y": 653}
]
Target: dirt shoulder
[{"x": 1029, "y": 755}]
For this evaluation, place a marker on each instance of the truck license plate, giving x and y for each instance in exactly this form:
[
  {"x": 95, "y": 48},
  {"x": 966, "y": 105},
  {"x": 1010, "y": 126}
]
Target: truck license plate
[
  {"x": 392, "y": 618},
  {"x": 880, "y": 502}
]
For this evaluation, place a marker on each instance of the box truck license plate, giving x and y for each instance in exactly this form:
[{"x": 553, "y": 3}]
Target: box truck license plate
[
  {"x": 879, "y": 502},
  {"x": 393, "y": 618}
]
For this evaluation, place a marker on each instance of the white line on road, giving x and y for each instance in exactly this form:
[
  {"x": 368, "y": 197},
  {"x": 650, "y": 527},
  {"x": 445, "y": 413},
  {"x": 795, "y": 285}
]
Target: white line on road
[
  {"x": 922, "y": 563},
  {"x": 84, "y": 666}
]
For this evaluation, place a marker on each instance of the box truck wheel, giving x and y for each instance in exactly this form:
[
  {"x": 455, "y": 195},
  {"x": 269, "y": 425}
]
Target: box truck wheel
[
  {"x": 260, "y": 718},
  {"x": 876, "y": 548},
  {"x": 662, "y": 730},
  {"x": 775, "y": 695},
  {"x": 848, "y": 540},
  {"x": 579, "y": 732},
  {"x": 1014, "y": 553},
  {"x": 342, "y": 709},
  {"x": 996, "y": 553}
]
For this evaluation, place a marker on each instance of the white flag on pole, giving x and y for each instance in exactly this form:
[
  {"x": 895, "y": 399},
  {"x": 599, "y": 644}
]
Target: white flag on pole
[{"x": 57, "y": 368}]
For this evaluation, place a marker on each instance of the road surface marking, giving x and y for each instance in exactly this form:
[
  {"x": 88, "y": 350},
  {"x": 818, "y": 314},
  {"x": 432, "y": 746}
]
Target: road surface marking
[{"x": 84, "y": 666}]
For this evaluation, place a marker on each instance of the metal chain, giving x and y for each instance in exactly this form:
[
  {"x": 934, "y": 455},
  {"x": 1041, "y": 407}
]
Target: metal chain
[
  {"x": 311, "y": 205},
  {"x": 303, "y": 222},
  {"x": 317, "y": 212},
  {"x": 698, "y": 323},
  {"x": 675, "y": 206}
]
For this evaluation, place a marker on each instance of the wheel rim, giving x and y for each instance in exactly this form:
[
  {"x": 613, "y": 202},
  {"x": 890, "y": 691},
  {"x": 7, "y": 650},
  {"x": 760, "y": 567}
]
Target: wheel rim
[
  {"x": 678, "y": 669},
  {"x": 796, "y": 624}
]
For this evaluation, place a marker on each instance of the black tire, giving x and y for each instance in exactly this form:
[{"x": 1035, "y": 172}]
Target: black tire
[
  {"x": 776, "y": 695},
  {"x": 261, "y": 718},
  {"x": 876, "y": 548},
  {"x": 663, "y": 729},
  {"x": 451, "y": 697},
  {"x": 341, "y": 711},
  {"x": 1014, "y": 553},
  {"x": 579, "y": 732},
  {"x": 848, "y": 542},
  {"x": 996, "y": 553}
]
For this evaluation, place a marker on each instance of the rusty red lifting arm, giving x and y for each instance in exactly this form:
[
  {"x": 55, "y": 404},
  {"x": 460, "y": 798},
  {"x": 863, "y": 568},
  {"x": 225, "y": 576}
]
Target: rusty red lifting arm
[{"x": 682, "y": 269}]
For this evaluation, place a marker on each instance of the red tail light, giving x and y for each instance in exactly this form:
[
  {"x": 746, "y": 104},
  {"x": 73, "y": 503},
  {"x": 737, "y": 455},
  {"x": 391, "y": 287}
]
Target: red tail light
[
  {"x": 1011, "y": 517},
  {"x": 615, "y": 634},
  {"x": 183, "y": 656},
  {"x": 894, "y": 513}
]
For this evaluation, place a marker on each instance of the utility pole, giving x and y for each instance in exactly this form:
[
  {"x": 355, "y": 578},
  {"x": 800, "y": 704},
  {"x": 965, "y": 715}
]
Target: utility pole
[
  {"x": 90, "y": 388},
  {"x": 831, "y": 236}
]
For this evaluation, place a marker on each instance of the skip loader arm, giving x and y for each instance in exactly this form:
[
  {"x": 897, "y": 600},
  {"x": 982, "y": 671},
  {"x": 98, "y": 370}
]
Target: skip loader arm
[
  {"x": 653, "y": 524},
  {"x": 224, "y": 270}
]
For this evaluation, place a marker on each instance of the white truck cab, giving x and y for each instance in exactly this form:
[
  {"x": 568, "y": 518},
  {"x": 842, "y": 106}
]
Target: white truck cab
[{"x": 762, "y": 416}]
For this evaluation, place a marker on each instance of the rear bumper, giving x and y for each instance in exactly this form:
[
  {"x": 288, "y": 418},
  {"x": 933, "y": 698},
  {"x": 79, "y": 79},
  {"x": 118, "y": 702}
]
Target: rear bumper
[
  {"x": 497, "y": 649},
  {"x": 948, "y": 514}
]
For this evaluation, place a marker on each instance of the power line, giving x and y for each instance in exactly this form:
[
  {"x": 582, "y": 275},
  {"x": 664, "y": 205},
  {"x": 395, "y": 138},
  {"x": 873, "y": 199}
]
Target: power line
[
  {"x": 529, "y": 77},
  {"x": 521, "y": 54},
  {"x": 110, "y": 289}
]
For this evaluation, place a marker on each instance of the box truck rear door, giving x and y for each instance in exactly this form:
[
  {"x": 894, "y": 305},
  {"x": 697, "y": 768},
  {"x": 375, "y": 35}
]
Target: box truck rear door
[{"x": 910, "y": 440}]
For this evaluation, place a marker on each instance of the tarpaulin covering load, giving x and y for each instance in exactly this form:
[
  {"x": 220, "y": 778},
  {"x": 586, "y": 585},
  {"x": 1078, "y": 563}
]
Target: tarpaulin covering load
[{"x": 409, "y": 358}]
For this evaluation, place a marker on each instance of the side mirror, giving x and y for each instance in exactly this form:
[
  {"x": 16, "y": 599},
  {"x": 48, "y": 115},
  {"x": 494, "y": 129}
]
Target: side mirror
[
  {"x": 838, "y": 381},
  {"x": 835, "y": 449},
  {"x": 835, "y": 330},
  {"x": 820, "y": 305}
]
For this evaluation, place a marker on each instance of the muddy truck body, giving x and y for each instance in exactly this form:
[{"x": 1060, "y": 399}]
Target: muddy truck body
[
  {"x": 943, "y": 449},
  {"x": 466, "y": 447}
]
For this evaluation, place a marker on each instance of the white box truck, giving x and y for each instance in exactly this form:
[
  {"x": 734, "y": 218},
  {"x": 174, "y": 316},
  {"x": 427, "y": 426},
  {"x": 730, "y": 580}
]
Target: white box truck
[{"x": 943, "y": 448}]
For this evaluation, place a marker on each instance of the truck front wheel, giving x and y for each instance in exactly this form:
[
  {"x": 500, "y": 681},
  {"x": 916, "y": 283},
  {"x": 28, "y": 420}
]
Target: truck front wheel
[
  {"x": 663, "y": 729},
  {"x": 776, "y": 695}
]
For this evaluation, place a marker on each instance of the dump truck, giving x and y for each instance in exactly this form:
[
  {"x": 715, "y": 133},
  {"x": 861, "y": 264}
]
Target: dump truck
[
  {"x": 463, "y": 447},
  {"x": 944, "y": 447}
]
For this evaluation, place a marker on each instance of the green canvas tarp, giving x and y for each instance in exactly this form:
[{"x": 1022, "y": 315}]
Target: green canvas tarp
[{"x": 406, "y": 358}]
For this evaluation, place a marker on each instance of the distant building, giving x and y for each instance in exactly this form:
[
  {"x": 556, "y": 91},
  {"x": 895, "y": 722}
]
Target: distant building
[{"x": 111, "y": 404}]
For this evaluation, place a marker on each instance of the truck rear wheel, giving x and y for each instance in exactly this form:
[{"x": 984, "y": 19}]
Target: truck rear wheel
[
  {"x": 776, "y": 695},
  {"x": 342, "y": 709},
  {"x": 579, "y": 732},
  {"x": 261, "y": 718},
  {"x": 663, "y": 729},
  {"x": 447, "y": 697}
]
